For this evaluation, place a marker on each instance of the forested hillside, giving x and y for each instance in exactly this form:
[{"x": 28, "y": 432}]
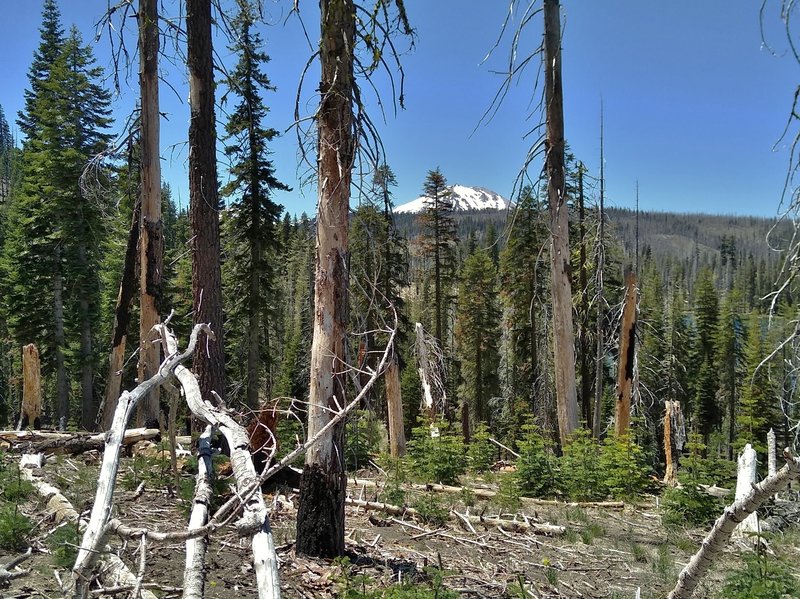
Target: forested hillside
[{"x": 596, "y": 348}]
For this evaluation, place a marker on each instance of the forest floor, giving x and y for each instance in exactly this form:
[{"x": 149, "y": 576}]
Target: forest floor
[{"x": 604, "y": 552}]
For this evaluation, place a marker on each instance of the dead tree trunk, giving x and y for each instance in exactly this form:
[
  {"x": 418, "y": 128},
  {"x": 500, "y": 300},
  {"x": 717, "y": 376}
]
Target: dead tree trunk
[
  {"x": 627, "y": 355},
  {"x": 673, "y": 421},
  {"x": 320, "y": 516},
  {"x": 601, "y": 258},
  {"x": 209, "y": 365},
  {"x": 394, "y": 407},
  {"x": 31, "y": 409},
  {"x": 583, "y": 333},
  {"x": 563, "y": 334},
  {"x": 122, "y": 317},
  {"x": 745, "y": 480},
  {"x": 150, "y": 233},
  {"x": 194, "y": 575}
]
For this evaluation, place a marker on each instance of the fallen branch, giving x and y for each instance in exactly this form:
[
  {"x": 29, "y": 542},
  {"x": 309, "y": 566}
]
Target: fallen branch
[
  {"x": 112, "y": 568},
  {"x": 194, "y": 573},
  {"x": 52, "y": 442},
  {"x": 9, "y": 571},
  {"x": 97, "y": 527},
  {"x": 723, "y": 528},
  {"x": 512, "y": 525}
]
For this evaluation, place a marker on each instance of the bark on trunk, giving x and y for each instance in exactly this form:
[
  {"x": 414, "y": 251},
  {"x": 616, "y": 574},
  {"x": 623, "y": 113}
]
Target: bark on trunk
[
  {"x": 563, "y": 334},
  {"x": 583, "y": 334},
  {"x": 627, "y": 355},
  {"x": 31, "y": 410},
  {"x": 320, "y": 516},
  {"x": 745, "y": 480},
  {"x": 394, "y": 406},
  {"x": 209, "y": 365},
  {"x": 771, "y": 462},
  {"x": 671, "y": 412},
  {"x": 88, "y": 403},
  {"x": 122, "y": 317},
  {"x": 150, "y": 228},
  {"x": 62, "y": 386}
]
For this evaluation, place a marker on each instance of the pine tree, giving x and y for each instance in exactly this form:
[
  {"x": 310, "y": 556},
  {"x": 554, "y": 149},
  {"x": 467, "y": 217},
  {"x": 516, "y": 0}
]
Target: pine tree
[
  {"x": 439, "y": 247},
  {"x": 50, "y": 258},
  {"x": 477, "y": 339},
  {"x": 756, "y": 409},
  {"x": 706, "y": 383},
  {"x": 729, "y": 347},
  {"x": 253, "y": 219}
]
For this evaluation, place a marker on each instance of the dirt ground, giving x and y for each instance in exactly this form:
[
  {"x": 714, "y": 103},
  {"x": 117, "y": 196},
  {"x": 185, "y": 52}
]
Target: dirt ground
[{"x": 605, "y": 553}]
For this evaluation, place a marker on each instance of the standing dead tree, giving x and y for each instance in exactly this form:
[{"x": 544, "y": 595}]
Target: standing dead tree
[
  {"x": 627, "y": 357},
  {"x": 31, "y": 409}
]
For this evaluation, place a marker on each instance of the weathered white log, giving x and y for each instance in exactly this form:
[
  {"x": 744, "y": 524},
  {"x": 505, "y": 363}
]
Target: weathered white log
[
  {"x": 745, "y": 479},
  {"x": 31, "y": 409},
  {"x": 723, "y": 528},
  {"x": 254, "y": 521},
  {"x": 9, "y": 571},
  {"x": 112, "y": 569},
  {"x": 96, "y": 529},
  {"x": 501, "y": 446},
  {"x": 771, "y": 458},
  {"x": 194, "y": 576}
]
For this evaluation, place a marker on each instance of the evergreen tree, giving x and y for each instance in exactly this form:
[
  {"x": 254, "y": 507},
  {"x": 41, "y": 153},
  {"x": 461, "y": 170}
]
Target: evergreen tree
[
  {"x": 477, "y": 339},
  {"x": 729, "y": 345},
  {"x": 706, "y": 412},
  {"x": 254, "y": 217},
  {"x": 756, "y": 409},
  {"x": 439, "y": 245},
  {"x": 51, "y": 257}
]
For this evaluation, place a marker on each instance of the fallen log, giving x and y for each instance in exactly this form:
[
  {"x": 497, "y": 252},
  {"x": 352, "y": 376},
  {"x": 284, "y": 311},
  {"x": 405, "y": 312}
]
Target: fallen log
[
  {"x": 111, "y": 569},
  {"x": 52, "y": 442},
  {"x": 509, "y": 525},
  {"x": 194, "y": 573}
]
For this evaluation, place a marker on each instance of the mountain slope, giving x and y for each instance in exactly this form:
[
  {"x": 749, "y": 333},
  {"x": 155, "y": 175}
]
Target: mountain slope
[{"x": 464, "y": 198}]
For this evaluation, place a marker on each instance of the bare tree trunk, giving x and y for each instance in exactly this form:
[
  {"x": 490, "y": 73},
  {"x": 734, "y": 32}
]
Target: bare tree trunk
[
  {"x": 670, "y": 451},
  {"x": 601, "y": 259},
  {"x": 122, "y": 317},
  {"x": 31, "y": 410},
  {"x": 394, "y": 406},
  {"x": 627, "y": 354},
  {"x": 150, "y": 227},
  {"x": 563, "y": 333},
  {"x": 62, "y": 386},
  {"x": 209, "y": 365},
  {"x": 583, "y": 334},
  {"x": 194, "y": 575},
  {"x": 745, "y": 481},
  {"x": 320, "y": 516}
]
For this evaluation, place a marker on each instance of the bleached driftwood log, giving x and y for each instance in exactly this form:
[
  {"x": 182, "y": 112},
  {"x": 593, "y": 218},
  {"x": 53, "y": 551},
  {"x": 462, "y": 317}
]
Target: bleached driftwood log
[
  {"x": 97, "y": 527},
  {"x": 745, "y": 479},
  {"x": 771, "y": 457},
  {"x": 254, "y": 521},
  {"x": 51, "y": 442},
  {"x": 9, "y": 571},
  {"x": 723, "y": 528},
  {"x": 194, "y": 578},
  {"x": 112, "y": 570}
]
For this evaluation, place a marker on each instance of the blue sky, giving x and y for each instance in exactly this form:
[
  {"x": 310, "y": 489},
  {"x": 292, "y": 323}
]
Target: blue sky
[{"x": 694, "y": 105}]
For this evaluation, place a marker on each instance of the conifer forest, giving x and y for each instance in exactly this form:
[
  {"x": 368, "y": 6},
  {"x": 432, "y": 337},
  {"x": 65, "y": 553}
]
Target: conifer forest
[{"x": 463, "y": 395}]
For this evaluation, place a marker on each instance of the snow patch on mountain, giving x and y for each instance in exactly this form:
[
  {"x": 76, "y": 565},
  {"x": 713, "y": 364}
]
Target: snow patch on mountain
[{"x": 464, "y": 198}]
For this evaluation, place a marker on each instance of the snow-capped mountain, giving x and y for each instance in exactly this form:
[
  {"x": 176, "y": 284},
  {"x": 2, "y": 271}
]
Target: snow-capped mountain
[{"x": 464, "y": 198}]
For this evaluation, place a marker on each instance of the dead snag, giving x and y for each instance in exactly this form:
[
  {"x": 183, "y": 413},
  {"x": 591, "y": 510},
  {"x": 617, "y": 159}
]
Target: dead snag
[
  {"x": 31, "y": 388},
  {"x": 627, "y": 354}
]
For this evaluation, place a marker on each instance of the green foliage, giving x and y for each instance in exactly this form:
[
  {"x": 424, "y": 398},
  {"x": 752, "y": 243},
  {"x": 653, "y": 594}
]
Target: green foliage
[
  {"x": 582, "y": 477},
  {"x": 508, "y": 496},
  {"x": 664, "y": 565},
  {"x": 762, "y": 577},
  {"x": 623, "y": 466},
  {"x": 437, "y": 459},
  {"x": 689, "y": 504},
  {"x": 536, "y": 465},
  {"x": 397, "y": 474},
  {"x": 13, "y": 488},
  {"x": 63, "y": 544},
  {"x": 481, "y": 452},
  {"x": 14, "y": 528},
  {"x": 364, "y": 434},
  {"x": 360, "y": 586},
  {"x": 431, "y": 509}
]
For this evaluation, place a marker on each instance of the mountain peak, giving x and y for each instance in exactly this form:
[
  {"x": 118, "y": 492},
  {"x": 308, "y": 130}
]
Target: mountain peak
[{"x": 464, "y": 198}]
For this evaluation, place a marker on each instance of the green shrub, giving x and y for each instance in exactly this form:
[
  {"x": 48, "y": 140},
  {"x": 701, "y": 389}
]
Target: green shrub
[
  {"x": 396, "y": 475},
  {"x": 536, "y": 465},
  {"x": 431, "y": 510},
  {"x": 437, "y": 459},
  {"x": 624, "y": 469},
  {"x": 481, "y": 453},
  {"x": 15, "y": 528},
  {"x": 63, "y": 544},
  {"x": 761, "y": 578},
  {"x": 14, "y": 488},
  {"x": 689, "y": 504},
  {"x": 581, "y": 473},
  {"x": 364, "y": 434},
  {"x": 508, "y": 496}
]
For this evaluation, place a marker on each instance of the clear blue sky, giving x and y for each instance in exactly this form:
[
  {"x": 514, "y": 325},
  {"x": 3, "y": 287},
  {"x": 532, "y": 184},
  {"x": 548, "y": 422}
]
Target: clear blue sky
[{"x": 694, "y": 105}]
